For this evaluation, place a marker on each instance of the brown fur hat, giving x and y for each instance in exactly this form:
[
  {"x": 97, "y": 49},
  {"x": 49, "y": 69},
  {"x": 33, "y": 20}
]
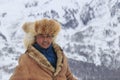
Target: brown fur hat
[{"x": 44, "y": 26}]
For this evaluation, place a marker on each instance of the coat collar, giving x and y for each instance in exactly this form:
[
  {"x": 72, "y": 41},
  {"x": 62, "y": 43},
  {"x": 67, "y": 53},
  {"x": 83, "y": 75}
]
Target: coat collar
[{"x": 42, "y": 60}]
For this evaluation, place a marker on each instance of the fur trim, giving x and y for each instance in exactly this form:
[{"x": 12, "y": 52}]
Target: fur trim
[
  {"x": 29, "y": 27},
  {"x": 42, "y": 60},
  {"x": 44, "y": 26},
  {"x": 29, "y": 39},
  {"x": 60, "y": 55}
]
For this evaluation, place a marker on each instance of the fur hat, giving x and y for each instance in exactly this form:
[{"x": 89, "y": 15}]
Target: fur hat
[{"x": 44, "y": 26}]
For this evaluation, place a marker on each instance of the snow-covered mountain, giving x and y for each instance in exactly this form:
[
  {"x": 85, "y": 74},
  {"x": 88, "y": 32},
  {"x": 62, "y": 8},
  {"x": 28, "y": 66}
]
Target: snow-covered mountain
[{"x": 90, "y": 35}]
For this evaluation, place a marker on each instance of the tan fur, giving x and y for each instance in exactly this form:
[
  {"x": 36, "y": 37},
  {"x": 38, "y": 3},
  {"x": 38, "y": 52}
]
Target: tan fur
[
  {"x": 29, "y": 27},
  {"x": 42, "y": 60},
  {"x": 34, "y": 66},
  {"x": 44, "y": 26}
]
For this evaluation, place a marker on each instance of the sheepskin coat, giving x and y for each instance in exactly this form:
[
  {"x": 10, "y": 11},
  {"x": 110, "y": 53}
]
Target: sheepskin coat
[{"x": 34, "y": 66}]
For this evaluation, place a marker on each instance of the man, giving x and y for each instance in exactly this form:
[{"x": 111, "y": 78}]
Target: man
[{"x": 43, "y": 59}]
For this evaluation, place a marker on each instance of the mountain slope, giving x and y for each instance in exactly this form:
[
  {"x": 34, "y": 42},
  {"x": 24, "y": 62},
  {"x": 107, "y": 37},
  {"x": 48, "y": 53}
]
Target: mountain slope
[{"x": 90, "y": 32}]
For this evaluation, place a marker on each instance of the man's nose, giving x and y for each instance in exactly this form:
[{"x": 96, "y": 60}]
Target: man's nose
[{"x": 45, "y": 38}]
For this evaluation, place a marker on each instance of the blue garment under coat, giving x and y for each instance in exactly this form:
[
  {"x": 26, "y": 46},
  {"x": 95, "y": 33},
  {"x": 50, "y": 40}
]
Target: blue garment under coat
[{"x": 49, "y": 53}]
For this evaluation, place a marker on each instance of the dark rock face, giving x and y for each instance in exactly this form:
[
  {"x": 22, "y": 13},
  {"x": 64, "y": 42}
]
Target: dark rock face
[{"x": 89, "y": 71}]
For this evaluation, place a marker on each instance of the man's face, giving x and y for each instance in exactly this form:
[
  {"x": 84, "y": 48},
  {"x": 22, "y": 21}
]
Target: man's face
[{"x": 44, "y": 40}]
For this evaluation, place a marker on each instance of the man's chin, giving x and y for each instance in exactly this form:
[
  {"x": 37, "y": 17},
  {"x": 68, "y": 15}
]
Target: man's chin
[{"x": 45, "y": 47}]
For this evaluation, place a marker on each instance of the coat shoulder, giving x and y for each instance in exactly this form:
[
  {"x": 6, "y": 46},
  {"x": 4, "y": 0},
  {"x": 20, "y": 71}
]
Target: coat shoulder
[{"x": 23, "y": 58}]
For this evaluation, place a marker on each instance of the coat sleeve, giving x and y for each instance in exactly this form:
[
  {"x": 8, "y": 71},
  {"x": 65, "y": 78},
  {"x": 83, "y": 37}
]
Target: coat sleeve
[
  {"x": 21, "y": 71},
  {"x": 69, "y": 74}
]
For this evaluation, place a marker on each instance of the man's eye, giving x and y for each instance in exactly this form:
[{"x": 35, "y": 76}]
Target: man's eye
[{"x": 49, "y": 36}]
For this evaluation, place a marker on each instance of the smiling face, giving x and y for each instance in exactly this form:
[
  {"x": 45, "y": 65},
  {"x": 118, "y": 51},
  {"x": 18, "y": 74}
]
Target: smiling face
[{"x": 44, "y": 40}]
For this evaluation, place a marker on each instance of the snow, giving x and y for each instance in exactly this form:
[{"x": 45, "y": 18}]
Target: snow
[{"x": 13, "y": 14}]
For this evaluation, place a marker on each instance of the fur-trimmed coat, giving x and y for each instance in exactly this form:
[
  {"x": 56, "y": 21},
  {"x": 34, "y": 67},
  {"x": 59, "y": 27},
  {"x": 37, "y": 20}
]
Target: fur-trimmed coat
[{"x": 34, "y": 66}]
